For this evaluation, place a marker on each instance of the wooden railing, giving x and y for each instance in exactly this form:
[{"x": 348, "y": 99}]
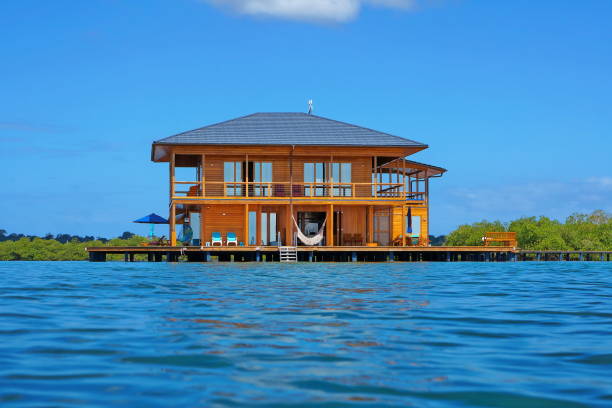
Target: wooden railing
[{"x": 312, "y": 190}]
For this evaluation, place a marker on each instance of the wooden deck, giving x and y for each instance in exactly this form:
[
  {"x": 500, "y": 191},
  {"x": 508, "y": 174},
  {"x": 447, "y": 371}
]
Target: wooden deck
[{"x": 308, "y": 254}]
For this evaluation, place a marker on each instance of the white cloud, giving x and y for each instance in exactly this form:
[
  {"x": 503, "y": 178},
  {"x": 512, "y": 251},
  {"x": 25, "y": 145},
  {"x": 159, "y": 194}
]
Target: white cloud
[{"x": 308, "y": 10}]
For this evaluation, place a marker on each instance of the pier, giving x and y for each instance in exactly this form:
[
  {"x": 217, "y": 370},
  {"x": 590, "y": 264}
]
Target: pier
[{"x": 342, "y": 254}]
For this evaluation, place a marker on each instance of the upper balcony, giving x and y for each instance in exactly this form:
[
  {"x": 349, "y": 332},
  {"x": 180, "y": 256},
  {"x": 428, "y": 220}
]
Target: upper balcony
[{"x": 307, "y": 191}]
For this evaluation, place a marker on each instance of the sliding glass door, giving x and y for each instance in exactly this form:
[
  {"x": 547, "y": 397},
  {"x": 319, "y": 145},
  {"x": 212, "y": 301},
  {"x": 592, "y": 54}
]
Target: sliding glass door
[{"x": 232, "y": 176}]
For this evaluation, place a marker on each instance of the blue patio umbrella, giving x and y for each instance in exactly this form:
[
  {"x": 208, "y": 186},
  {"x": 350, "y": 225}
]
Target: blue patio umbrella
[
  {"x": 152, "y": 219},
  {"x": 409, "y": 226}
]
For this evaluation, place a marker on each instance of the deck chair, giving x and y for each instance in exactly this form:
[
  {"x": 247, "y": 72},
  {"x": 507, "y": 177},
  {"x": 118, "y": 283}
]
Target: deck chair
[
  {"x": 232, "y": 239},
  {"x": 216, "y": 239}
]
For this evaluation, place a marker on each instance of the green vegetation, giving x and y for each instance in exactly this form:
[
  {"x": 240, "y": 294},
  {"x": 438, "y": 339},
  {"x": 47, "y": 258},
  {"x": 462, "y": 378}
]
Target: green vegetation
[
  {"x": 52, "y": 249},
  {"x": 580, "y": 232}
]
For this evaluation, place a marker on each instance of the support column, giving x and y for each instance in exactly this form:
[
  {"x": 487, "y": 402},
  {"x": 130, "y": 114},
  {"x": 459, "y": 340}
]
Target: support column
[
  {"x": 246, "y": 225},
  {"x": 403, "y": 226},
  {"x": 370, "y": 237},
  {"x": 172, "y": 224},
  {"x": 288, "y": 226},
  {"x": 426, "y": 224},
  {"x": 329, "y": 237},
  {"x": 353, "y": 256}
]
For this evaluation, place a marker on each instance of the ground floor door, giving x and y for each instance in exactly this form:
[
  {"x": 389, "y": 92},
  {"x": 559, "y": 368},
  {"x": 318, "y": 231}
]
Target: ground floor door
[{"x": 382, "y": 226}]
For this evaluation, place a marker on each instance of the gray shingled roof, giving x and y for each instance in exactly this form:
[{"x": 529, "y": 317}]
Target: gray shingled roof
[{"x": 286, "y": 129}]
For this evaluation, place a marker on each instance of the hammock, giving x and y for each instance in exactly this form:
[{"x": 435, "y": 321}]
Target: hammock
[
  {"x": 186, "y": 235},
  {"x": 310, "y": 241}
]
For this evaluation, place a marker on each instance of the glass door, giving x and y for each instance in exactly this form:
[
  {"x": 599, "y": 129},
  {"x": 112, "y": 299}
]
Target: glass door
[
  {"x": 232, "y": 176},
  {"x": 261, "y": 177},
  {"x": 268, "y": 230},
  {"x": 341, "y": 174}
]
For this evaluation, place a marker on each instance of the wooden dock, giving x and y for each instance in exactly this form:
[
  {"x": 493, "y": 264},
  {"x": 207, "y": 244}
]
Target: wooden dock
[{"x": 342, "y": 254}]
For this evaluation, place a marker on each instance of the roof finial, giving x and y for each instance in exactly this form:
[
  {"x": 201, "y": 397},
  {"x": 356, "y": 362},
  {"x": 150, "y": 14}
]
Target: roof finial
[{"x": 310, "y": 106}]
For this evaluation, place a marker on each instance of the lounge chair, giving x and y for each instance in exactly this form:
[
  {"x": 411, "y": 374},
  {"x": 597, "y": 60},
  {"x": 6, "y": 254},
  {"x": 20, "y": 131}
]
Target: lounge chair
[
  {"x": 216, "y": 239},
  {"x": 232, "y": 239}
]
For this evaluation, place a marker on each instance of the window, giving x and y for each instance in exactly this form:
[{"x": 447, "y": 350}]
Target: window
[
  {"x": 341, "y": 173},
  {"x": 314, "y": 177},
  {"x": 261, "y": 175},
  {"x": 232, "y": 175},
  {"x": 252, "y": 228}
]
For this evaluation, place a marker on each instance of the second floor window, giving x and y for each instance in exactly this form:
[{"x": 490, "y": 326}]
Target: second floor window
[
  {"x": 261, "y": 176},
  {"x": 315, "y": 175},
  {"x": 318, "y": 176},
  {"x": 232, "y": 176}
]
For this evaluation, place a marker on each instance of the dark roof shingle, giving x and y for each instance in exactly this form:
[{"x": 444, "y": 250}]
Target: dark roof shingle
[{"x": 287, "y": 129}]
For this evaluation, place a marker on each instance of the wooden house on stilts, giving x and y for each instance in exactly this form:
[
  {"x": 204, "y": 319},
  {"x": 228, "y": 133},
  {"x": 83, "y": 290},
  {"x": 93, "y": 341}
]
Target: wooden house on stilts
[{"x": 272, "y": 179}]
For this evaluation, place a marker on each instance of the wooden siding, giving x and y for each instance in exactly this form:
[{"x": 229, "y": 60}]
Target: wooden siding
[{"x": 223, "y": 219}]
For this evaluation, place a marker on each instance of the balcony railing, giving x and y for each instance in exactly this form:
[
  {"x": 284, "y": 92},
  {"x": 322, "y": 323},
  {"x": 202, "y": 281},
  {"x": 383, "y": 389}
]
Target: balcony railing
[{"x": 305, "y": 190}]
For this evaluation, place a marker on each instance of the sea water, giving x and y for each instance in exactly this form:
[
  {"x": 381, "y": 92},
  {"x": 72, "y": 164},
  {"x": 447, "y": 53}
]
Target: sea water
[{"x": 306, "y": 335}]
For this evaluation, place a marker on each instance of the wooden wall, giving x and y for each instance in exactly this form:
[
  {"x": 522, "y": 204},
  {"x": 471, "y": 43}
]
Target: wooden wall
[
  {"x": 223, "y": 218},
  {"x": 396, "y": 222}
]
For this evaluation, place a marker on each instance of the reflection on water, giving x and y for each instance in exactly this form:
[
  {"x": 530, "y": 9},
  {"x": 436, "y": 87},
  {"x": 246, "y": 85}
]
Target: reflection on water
[{"x": 324, "y": 335}]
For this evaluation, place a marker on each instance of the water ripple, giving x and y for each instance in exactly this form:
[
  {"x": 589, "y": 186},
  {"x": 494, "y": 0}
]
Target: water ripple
[{"x": 308, "y": 335}]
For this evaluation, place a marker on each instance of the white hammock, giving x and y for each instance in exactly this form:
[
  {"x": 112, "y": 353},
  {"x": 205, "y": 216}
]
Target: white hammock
[{"x": 310, "y": 241}]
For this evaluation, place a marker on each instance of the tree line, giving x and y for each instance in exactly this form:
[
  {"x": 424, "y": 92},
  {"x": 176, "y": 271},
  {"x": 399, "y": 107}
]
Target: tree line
[
  {"x": 579, "y": 232},
  {"x": 60, "y": 247}
]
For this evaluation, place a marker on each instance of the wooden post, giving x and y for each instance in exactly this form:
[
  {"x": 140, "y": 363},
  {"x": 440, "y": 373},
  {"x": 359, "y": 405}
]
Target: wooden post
[
  {"x": 246, "y": 225},
  {"x": 330, "y": 225},
  {"x": 202, "y": 179},
  {"x": 290, "y": 212},
  {"x": 427, "y": 203},
  {"x": 331, "y": 175},
  {"x": 172, "y": 224},
  {"x": 375, "y": 174},
  {"x": 370, "y": 214},
  {"x": 246, "y": 175},
  {"x": 403, "y": 226},
  {"x": 172, "y": 220},
  {"x": 171, "y": 175}
]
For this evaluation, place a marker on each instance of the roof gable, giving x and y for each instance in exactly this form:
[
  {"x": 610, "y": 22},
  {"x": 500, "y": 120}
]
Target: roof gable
[{"x": 299, "y": 129}]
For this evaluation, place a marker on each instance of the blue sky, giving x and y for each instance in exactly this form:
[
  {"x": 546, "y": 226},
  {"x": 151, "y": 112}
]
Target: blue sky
[{"x": 513, "y": 97}]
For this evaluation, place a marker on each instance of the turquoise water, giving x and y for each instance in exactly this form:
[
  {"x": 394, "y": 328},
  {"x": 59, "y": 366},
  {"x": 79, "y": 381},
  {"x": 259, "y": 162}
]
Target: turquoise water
[{"x": 306, "y": 335}]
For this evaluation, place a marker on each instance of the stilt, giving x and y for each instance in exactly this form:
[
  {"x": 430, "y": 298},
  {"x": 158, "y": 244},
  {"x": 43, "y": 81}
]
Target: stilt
[
  {"x": 150, "y": 257},
  {"x": 581, "y": 257},
  {"x": 97, "y": 257},
  {"x": 257, "y": 256},
  {"x": 353, "y": 256},
  {"x": 448, "y": 257},
  {"x": 126, "y": 257},
  {"x": 391, "y": 256}
]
